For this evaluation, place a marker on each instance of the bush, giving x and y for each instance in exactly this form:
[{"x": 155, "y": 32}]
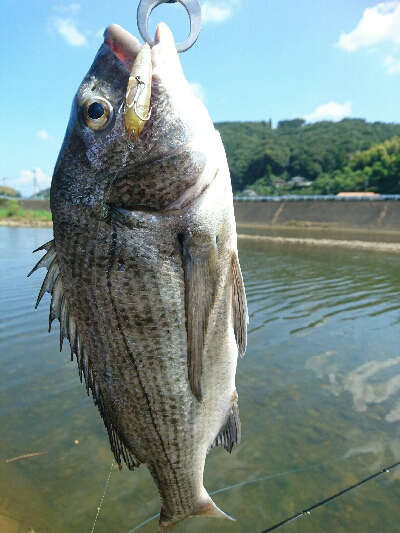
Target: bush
[{"x": 13, "y": 208}]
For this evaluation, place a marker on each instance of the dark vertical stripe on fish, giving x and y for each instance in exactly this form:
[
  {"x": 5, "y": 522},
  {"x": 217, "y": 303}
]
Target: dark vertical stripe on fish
[{"x": 120, "y": 329}]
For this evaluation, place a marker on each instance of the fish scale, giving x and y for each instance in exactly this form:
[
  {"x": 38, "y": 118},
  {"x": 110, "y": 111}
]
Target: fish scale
[{"x": 144, "y": 274}]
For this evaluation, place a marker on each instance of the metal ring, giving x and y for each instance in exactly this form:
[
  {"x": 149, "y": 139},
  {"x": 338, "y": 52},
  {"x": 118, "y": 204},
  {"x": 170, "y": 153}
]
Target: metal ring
[{"x": 193, "y": 9}]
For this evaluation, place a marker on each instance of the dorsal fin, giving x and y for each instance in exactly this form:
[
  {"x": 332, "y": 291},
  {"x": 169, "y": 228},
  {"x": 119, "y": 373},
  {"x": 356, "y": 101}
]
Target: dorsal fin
[
  {"x": 240, "y": 315},
  {"x": 59, "y": 308},
  {"x": 199, "y": 264},
  {"x": 230, "y": 432}
]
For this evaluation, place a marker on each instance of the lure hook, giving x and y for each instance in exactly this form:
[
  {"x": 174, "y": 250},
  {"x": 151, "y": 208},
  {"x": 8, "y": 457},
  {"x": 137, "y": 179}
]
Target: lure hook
[
  {"x": 139, "y": 88},
  {"x": 193, "y": 9}
]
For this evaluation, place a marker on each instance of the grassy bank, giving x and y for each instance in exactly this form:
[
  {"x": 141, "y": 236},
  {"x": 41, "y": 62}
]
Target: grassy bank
[{"x": 12, "y": 214}]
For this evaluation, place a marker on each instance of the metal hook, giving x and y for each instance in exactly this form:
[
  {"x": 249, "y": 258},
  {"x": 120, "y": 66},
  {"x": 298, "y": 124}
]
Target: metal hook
[
  {"x": 139, "y": 88},
  {"x": 193, "y": 9},
  {"x": 124, "y": 106}
]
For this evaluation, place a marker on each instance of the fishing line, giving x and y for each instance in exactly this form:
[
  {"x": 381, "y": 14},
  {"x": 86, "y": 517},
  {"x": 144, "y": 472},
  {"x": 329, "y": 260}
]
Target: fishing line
[
  {"x": 102, "y": 498},
  {"x": 295, "y": 471},
  {"x": 145, "y": 522},
  {"x": 327, "y": 500}
]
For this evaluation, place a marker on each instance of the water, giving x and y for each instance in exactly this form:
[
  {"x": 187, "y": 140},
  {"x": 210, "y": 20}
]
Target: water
[{"x": 319, "y": 403}]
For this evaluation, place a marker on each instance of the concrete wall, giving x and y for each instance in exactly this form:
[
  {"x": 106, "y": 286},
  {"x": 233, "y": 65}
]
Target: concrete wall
[
  {"x": 354, "y": 215},
  {"x": 361, "y": 215},
  {"x": 35, "y": 204}
]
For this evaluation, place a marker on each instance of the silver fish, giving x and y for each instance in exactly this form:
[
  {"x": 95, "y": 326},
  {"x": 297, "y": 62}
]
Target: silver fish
[{"x": 143, "y": 270}]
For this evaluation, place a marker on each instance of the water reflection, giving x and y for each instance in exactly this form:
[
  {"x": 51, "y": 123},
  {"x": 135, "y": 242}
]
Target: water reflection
[
  {"x": 368, "y": 383},
  {"x": 319, "y": 402}
]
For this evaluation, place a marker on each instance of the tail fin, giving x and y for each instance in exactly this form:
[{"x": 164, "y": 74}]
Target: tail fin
[{"x": 206, "y": 508}]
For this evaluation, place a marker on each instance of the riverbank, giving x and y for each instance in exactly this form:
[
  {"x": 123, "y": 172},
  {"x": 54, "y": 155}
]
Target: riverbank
[
  {"x": 17, "y": 214},
  {"x": 350, "y": 215},
  {"x": 372, "y": 225},
  {"x": 392, "y": 247},
  {"x": 365, "y": 243},
  {"x": 327, "y": 215},
  {"x": 25, "y": 223}
]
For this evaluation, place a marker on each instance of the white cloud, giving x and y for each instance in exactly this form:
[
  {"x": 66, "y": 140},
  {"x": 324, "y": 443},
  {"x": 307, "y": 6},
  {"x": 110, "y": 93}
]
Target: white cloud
[
  {"x": 43, "y": 134},
  {"x": 25, "y": 182},
  {"x": 66, "y": 27},
  {"x": 329, "y": 111},
  {"x": 217, "y": 11},
  {"x": 378, "y": 24},
  {"x": 392, "y": 64},
  {"x": 198, "y": 91}
]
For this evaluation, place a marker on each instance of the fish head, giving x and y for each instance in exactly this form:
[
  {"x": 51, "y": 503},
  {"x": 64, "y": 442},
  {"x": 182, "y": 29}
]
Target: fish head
[{"x": 103, "y": 164}]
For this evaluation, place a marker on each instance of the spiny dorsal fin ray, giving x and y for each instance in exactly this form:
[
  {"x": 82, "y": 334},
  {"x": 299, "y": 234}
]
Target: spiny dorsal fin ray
[
  {"x": 47, "y": 286},
  {"x": 47, "y": 258},
  {"x": 239, "y": 306},
  {"x": 231, "y": 432},
  {"x": 59, "y": 308},
  {"x": 199, "y": 264}
]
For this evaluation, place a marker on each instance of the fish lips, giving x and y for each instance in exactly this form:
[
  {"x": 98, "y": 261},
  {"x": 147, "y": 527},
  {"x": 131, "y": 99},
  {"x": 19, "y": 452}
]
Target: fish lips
[{"x": 126, "y": 46}]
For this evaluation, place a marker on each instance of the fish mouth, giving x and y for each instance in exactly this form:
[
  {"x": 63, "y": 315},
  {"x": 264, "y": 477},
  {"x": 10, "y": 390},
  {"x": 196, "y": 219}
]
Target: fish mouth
[
  {"x": 171, "y": 177},
  {"x": 124, "y": 45},
  {"x": 127, "y": 47}
]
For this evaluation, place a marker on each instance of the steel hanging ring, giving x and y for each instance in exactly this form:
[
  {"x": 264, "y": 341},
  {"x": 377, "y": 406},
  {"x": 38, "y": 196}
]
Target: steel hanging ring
[{"x": 193, "y": 9}]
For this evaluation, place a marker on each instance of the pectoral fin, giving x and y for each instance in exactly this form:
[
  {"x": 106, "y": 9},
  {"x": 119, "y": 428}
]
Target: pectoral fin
[
  {"x": 199, "y": 263},
  {"x": 239, "y": 306}
]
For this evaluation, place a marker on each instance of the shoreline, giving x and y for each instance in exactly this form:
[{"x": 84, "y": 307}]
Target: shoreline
[
  {"x": 25, "y": 223},
  {"x": 332, "y": 243},
  {"x": 356, "y": 244}
]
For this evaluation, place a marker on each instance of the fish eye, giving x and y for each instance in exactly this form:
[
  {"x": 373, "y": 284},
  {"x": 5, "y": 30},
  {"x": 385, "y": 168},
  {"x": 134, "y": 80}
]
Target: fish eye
[
  {"x": 95, "y": 110},
  {"x": 97, "y": 113}
]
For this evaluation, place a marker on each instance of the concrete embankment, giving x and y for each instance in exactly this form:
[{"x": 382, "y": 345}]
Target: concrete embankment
[
  {"x": 35, "y": 204},
  {"x": 370, "y": 225},
  {"x": 376, "y": 216},
  {"x": 371, "y": 246},
  {"x": 367, "y": 225},
  {"x": 344, "y": 215}
]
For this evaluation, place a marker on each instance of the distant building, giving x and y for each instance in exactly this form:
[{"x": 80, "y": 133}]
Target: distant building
[
  {"x": 300, "y": 181},
  {"x": 279, "y": 183},
  {"x": 249, "y": 192}
]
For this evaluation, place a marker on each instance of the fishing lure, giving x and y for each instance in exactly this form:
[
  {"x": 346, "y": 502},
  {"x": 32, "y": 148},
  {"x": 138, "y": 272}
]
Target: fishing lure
[{"x": 137, "y": 101}]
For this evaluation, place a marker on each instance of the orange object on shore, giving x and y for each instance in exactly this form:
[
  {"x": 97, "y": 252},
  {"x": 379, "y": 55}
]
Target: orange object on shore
[{"x": 358, "y": 194}]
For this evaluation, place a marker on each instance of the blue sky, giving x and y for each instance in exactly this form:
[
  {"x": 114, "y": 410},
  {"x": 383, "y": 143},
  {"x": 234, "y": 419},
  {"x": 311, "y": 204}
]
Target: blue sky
[{"x": 254, "y": 60}]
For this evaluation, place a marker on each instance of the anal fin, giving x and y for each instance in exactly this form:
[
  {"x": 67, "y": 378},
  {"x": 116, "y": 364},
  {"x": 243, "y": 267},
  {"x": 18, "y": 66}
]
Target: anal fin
[{"x": 231, "y": 432}]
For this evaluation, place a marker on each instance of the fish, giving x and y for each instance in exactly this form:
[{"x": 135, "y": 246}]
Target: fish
[{"x": 143, "y": 268}]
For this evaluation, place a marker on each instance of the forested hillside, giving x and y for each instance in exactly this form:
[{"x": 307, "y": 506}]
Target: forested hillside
[
  {"x": 323, "y": 158},
  {"x": 267, "y": 158}
]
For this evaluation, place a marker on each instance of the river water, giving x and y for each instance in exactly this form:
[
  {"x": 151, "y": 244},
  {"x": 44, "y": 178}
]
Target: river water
[{"x": 319, "y": 393}]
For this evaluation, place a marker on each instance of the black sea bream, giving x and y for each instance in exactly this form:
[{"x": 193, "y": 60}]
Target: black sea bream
[{"x": 143, "y": 270}]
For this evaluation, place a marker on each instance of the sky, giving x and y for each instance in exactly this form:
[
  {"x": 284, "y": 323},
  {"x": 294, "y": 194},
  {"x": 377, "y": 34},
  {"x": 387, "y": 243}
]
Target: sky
[{"x": 254, "y": 60}]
